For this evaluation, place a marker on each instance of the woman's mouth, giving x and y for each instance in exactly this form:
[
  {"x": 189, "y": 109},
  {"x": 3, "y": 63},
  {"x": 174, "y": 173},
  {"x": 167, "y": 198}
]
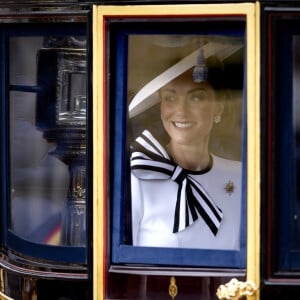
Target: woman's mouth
[{"x": 182, "y": 124}]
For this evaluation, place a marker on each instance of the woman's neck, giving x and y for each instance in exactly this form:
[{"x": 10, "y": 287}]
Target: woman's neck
[{"x": 194, "y": 158}]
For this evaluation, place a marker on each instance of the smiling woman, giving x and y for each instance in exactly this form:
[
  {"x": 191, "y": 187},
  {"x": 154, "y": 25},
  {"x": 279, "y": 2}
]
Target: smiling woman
[
  {"x": 188, "y": 111},
  {"x": 183, "y": 194}
]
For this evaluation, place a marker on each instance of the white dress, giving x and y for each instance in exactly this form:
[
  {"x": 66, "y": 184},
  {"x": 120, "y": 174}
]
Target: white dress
[{"x": 153, "y": 206}]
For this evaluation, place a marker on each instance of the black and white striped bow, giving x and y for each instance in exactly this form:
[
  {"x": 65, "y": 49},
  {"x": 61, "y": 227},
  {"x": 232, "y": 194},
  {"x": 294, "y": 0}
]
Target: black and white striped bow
[{"x": 149, "y": 160}]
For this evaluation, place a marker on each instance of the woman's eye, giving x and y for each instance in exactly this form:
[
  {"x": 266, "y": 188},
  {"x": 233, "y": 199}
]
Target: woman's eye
[
  {"x": 168, "y": 97},
  {"x": 198, "y": 97}
]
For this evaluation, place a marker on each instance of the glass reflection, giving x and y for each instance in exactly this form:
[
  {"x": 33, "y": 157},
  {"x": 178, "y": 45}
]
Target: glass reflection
[
  {"x": 38, "y": 181},
  {"x": 47, "y": 139},
  {"x": 296, "y": 125},
  {"x": 71, "y": 87}
]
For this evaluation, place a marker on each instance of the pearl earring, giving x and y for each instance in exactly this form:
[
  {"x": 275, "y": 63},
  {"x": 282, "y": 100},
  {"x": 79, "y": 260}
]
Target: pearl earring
[{"x": 217, "y": 119}]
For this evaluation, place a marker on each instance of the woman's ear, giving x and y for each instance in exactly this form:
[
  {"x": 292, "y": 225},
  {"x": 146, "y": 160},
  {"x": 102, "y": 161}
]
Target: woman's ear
[{"x": 220, "y": 105}]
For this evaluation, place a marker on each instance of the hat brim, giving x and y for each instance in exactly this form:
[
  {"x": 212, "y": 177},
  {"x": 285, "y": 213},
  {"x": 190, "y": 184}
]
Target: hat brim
[{"x": 147, "y": 96}]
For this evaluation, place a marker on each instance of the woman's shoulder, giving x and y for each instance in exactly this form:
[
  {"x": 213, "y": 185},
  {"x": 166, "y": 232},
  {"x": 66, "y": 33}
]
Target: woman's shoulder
[{"x": 227, "y": 165}]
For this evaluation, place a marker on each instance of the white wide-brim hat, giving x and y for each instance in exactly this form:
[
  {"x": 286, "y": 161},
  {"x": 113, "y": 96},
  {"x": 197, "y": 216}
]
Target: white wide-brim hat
[{"x": 147, "y": 96}]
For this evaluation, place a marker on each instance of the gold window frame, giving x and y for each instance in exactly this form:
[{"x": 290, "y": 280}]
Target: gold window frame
[{"x": 100, "y": 13}]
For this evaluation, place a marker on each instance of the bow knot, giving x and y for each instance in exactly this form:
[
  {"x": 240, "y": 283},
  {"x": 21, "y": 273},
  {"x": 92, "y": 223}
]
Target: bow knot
[
  {"x": 149, "y": 160},
  {"x": 179, "y": 175}
]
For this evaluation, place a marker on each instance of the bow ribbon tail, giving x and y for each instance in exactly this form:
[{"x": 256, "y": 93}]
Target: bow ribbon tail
[
  {"x": 181, "y": 216},
  {"x": 177, "y": 210},
  {"x": 187, "y": 214},
  {"x": 207, "y": 209},
  {"x": 194, "y": 204},
  {"x": 191, "y": 201}
]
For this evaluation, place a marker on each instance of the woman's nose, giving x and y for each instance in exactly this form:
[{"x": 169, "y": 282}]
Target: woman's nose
[{"x": 182, "y": 105}]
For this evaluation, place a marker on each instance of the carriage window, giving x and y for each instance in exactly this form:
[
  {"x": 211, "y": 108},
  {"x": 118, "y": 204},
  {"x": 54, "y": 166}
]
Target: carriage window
[
  {"x": 172, "y": 94},
  {"x": 284, "y": 168},
  {"x": 47, "y": 139}
]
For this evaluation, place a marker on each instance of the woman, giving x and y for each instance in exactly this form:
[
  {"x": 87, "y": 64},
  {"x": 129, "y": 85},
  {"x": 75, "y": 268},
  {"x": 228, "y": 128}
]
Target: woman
[{"x": 183, "y": 195}]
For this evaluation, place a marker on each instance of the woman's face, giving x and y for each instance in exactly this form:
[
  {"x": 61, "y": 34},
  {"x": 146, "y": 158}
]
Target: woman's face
[{"x": 188, "y": 110}]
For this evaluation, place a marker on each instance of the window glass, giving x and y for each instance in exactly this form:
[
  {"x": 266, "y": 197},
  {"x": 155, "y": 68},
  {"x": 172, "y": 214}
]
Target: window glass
[
  {"x": 188, "y": 94},
  {"x": 47, "y": 119},
  {"x": 23, "y": 59},
  {"x": 296, "y": 126},
  {"x": 203, "y": 71},
  {"x": 39, "y": 181},
  {"x": 285, "y": 122}
]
